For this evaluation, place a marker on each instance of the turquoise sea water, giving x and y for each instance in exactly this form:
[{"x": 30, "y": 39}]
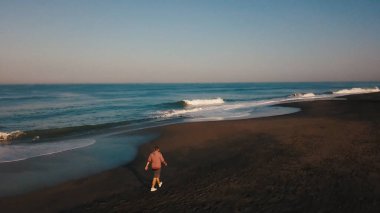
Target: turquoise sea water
[{"x": 53, "y": 133}]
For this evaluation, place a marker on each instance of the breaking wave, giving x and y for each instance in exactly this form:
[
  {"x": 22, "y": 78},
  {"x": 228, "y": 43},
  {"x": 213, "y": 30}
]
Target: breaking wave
[
  {"x": 302, "y": 95},
  {"x": 202, "y": 102},
  {"x": 356, "y": 91}
]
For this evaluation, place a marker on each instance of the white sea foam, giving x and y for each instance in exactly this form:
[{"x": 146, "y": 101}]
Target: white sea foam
[
  {"x": 203, "y": 102},
  {"x": 6, "y": 137},
  {"x": 176, "y": 113},
  {"x": 18, "y": 152},
  {"x": 303, "y": 95},
  {"x": 356, "y": 91}
]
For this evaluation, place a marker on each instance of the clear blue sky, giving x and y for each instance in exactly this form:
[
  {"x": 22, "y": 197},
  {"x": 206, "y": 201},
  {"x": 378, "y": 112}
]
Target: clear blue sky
[{"x": 92, "y": 41}]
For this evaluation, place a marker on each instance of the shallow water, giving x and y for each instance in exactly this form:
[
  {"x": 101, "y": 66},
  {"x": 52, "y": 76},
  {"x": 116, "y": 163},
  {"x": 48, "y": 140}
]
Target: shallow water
[{"x": 107, "y": 152}]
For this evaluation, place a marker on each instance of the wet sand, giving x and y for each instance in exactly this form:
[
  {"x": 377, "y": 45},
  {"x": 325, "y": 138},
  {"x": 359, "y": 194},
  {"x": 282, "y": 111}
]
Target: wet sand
[{"x": 325, "y": 158}]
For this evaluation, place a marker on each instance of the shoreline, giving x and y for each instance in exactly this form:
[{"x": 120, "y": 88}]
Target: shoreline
[{"x": 126, "y": 188}]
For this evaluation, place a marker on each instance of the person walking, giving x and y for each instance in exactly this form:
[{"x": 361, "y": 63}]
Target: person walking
[{"x": 155, "y": 159}]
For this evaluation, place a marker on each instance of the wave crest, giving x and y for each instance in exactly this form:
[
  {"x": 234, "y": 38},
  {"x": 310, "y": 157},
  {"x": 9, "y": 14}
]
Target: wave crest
[
  {"x": 203, "y": 102},
  {"x": 302, "y": 95},
  {"x": 357, "y": 91}
]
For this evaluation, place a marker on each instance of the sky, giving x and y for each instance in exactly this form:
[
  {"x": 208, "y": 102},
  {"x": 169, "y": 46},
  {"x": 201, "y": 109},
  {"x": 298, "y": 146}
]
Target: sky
[{"x": 90, "y": 41}]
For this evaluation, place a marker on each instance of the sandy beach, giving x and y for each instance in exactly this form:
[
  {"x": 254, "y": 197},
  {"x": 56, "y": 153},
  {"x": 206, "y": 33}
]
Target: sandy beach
[{"x": 325, "y": 158}]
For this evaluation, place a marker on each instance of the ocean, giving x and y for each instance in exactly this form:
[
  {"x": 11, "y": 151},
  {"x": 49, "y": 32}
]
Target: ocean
[{"x": 53, "y": 133}]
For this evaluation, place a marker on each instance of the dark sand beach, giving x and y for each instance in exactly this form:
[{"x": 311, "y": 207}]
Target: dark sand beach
[{"x": 325, "y": 158}]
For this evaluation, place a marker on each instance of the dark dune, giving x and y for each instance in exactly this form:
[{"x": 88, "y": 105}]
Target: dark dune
[{"x": 325, "y": 158}]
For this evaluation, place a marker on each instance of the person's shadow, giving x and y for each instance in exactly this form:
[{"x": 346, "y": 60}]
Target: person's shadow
[{"x": 142, "y": 178}]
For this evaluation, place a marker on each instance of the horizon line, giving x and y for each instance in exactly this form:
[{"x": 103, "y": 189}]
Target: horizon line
[{"x": 210, "y": 82}]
